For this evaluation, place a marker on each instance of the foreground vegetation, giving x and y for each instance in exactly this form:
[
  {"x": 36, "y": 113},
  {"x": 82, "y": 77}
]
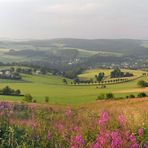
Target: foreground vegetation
[{"x": 114, "y": 124}]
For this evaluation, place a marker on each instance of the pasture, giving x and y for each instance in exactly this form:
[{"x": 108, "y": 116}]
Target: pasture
[
  {"x": 90, "y": 74},
  {"x": 40, "y": 86}
]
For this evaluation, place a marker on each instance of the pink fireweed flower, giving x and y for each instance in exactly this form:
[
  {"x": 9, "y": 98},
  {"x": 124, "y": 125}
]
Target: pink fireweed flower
[
  {"x": 116, "y": 140},
  {"x": 135, "y": 145},
  {"x": 122, "y": 119},
  {"x": 132, "y": 138},
  {"x": 34, "y": 125},
  {"x": 49, "y": 136},
  {"x": 68, "y": 113},
  {"x": 141, "y": 132},
  {"x": 77, "y": 141},
  {"x": 104, "y": 117},
  {"x": 61, "y": 128},
  {"x": 146, "y": 145},
  {"x": 102, "y": 140},
  {"x": 127, "y": 135},
  {"x": 96, "y": 145},
  {"x": 75, "y": 129}
]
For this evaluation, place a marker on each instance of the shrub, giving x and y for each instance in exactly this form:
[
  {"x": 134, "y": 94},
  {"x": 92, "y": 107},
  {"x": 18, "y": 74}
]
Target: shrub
[
  {"x": 106, "y": 96},
  {"x": 34, "y": 101},
  {"x": 46, "y": 99},
  {"x": 142, "y": 83},
  {"x": 28, "y": 98},
  {"x": 132, "y": 96},
  {"x": 141, "y": 95},
  {"x": 109, "y": 96},
  {"x": 101, "y": 97}
]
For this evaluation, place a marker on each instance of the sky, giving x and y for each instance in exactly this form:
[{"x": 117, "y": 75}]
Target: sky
[{"x": 46, "y": 19}]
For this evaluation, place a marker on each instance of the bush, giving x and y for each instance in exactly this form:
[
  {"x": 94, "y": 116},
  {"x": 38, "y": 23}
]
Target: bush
[
  {"x": 142, "y": 83},
  {"x": 132, "y": 96},
  {"x": 46, "y": 99},
  {"x": 109, "y": 96},
  {"x": 9, "y": 91},
  {"x": 101, "y": 97},
  {"x": 28, "y": 98},
  {"x": 141, "y": 95},
  {"x": 106, "y": 96},
  {"x": 34, "y": 101}
]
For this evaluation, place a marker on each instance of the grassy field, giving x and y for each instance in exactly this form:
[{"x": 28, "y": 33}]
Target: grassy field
[
  {"x": 90, "y": 74},
  {"x": 40, "y": 86}
]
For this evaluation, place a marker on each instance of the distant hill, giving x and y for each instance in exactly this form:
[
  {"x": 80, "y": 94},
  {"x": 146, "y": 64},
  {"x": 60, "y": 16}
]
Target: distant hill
[
  {"x": 69, "y": 53},
  {"x": 124, "y": 46}
]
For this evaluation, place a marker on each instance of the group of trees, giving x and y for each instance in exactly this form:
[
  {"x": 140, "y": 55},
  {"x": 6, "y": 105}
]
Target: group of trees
[
  {"x": 91, "y": 81},
  {"x": 143, "y": 83},
  {"x": 139, "y": 95},
  {"x": 117, "y": 73},
  {"x": 106, "y": 96},
  {"x": 24, "y": 70},
  {"x": 9, "y": 91},
  {"x": 100, "y": 76},
  {"x": 73, "y": 72},
  {"x": 109, "y": 96}
]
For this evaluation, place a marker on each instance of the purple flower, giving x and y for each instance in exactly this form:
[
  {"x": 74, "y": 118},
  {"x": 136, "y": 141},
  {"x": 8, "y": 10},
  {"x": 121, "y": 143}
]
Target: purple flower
[
  {"x": 146, "y": 145},
  {"x": 116, "y": 139},
  {"x": 49, "y": 136},
  {"x": 102, "y": 139},
  {"x": 135, "y": 145},
  {"x": 96, "y": 145},
  {"x": 34, "y": 125},
  {"x": 127, "y": 135},
  {"x": 140, "y": 132},
  {"x": 132, "y": 138},
  {"x": 104, "y": 117},
  {"x": 68, "y": 113},
  {"x": 122, "y": 119},
  {"x": 77, "y": 141}
]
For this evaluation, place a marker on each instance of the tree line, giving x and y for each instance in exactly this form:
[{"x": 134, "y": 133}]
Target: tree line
[{"x": 9, "y": 91}]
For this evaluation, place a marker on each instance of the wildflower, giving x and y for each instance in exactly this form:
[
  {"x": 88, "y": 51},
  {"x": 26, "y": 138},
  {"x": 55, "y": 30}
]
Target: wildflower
[
  {"x": 116, "y": 139},
  {"x": 127, "y": 135},
  {"x": 122, "y": 119},
  {"x": 146, "y": 145},
  {"x": 132, "y": 138},
  {"x": 96, "y": 145},
  {"x": 68, "y": 113},
  {"x": 135, "y": 145},
  {"x": 34, "y": 125},
  {"x": 140, "y": 132},
  {"x": 102, "y": 140},
  {"x": 49, "y": 136},
  {"x": 104, "y": 117},
  {"x": 75, "y": 129},
  {"x": 77, "y": 141}
]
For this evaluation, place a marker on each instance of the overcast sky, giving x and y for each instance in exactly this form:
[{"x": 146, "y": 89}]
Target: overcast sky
[{"x": 42, "y": 19}]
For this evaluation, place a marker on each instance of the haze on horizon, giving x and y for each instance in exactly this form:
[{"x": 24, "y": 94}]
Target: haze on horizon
[{"x": 40, "y": 19}]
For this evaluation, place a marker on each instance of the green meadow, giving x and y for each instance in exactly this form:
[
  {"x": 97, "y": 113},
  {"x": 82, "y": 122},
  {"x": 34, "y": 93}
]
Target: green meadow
[
  {"x": 40, "y": 86},
  {"x": 90, "y": 74}
]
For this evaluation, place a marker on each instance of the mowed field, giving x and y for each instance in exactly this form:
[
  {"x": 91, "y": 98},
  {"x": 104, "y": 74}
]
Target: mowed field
[
  {"x": 40, "y": 86},
  {"x": 90, "y": 74}
]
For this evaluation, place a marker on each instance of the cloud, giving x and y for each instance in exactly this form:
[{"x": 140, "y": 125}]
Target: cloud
[
  {"x": 69, "y": 8},
  {"x": 73, "y": 18}
]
